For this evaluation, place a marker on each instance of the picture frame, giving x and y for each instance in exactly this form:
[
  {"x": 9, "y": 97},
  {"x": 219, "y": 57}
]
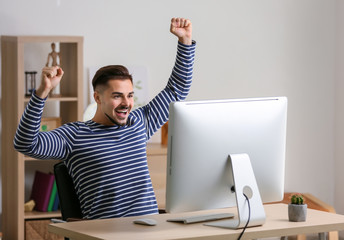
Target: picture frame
[{"x": 49, "y": 123}]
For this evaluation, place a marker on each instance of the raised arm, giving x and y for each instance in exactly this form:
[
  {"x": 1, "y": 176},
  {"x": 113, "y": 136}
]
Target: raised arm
[
  {"x": 156, "y": 112},
  {"x": 28, "y": 139}
]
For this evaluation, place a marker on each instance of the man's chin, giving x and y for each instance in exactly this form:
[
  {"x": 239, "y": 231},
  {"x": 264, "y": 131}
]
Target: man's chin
[{"x": 119, "y": 122}]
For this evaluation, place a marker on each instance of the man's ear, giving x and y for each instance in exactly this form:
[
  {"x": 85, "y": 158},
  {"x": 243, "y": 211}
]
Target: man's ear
[{"x": 96, "y": 96}]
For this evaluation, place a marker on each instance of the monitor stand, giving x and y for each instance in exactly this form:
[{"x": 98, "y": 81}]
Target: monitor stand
[{"x": 244, "y": 183}]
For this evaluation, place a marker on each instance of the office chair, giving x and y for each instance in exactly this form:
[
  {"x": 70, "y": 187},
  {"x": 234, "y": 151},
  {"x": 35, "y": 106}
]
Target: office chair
[{"x": 69, "y": 202}]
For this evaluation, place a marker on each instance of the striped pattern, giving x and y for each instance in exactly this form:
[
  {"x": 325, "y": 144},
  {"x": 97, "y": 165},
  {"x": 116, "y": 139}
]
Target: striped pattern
[{"x": 108, "y": 163}]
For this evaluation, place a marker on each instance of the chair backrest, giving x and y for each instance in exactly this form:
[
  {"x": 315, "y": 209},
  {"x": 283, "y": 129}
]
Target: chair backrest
[{"x": 69, "y": 202}]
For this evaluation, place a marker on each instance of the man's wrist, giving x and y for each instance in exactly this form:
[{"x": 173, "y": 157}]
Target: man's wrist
[
  {"x": 42, "y": 93},
  {"x": 193, "y": 42},
  {"x": 185, "y": 41}
]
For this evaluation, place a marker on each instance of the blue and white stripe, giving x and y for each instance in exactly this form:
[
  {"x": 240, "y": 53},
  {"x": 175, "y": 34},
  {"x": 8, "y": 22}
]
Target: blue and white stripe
[{"x": 108, "y": 163}]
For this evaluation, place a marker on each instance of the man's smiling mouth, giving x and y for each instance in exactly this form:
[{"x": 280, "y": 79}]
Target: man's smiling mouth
[{"x": 122, "y": 113}]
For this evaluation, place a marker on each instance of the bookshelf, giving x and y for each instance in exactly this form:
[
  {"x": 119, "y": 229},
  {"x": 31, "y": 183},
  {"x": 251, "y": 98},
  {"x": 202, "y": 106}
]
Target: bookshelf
[{"x": 70, "y": 102}]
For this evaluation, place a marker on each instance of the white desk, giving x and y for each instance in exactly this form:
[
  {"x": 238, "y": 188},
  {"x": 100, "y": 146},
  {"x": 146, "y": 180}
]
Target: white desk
[{"x": 277, "y": 224}]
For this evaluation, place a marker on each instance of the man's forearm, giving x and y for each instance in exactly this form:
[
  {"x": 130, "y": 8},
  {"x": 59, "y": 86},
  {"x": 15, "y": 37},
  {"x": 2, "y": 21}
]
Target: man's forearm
[
  {"x": 181, "y": 78},
  {"x": 29, "y": 125}
]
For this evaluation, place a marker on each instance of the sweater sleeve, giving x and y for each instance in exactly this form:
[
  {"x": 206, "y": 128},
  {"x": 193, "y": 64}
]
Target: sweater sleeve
[
  {"x": 156, "y": 112},
  {"x": 30, "y": 141}
]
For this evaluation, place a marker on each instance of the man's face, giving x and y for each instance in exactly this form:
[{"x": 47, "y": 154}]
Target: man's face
[{"x": 116, "y": 101}]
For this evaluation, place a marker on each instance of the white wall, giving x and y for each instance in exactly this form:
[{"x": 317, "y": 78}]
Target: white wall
[
  {"x": 247, "y": 48},
  {"x": 339, "y": 126}
]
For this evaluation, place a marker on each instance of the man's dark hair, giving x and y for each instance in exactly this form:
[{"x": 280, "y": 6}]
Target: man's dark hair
[{"x": 111, "y": 72}]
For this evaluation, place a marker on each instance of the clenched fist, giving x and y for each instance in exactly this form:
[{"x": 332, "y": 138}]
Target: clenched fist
[
  {"x": 51, "y": 77},
  {"x": 182, "y": 28}
]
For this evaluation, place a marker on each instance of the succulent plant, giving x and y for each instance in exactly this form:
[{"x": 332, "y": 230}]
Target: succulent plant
[{"x": 297, "y": 199}]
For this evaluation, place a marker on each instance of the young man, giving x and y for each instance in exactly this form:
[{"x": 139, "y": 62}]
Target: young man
[{"x": 106, "y": 156}]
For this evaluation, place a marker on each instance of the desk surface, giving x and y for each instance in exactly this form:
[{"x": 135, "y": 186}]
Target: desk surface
[{"x": 277, "y": 224}]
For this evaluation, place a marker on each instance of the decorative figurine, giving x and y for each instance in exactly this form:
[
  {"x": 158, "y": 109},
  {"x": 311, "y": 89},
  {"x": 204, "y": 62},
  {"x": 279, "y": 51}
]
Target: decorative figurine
[{"x": 53, "y": 55}]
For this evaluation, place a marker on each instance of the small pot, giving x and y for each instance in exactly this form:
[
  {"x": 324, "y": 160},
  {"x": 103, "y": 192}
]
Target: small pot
[{"x": 297, "y": 212}]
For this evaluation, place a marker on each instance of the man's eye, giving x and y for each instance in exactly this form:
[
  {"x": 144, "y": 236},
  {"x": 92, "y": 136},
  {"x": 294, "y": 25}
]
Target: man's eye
[
  {"x": 116, "y": 96},
  {"x": 131, "y": 96}
]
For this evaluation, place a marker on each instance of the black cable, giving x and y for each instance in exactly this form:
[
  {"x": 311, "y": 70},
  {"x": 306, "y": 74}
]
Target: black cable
[{"x": 249, "y": 216}]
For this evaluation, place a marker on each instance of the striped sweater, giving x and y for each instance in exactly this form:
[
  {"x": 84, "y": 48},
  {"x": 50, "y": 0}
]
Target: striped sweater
[{"x": 108, "y": 164}]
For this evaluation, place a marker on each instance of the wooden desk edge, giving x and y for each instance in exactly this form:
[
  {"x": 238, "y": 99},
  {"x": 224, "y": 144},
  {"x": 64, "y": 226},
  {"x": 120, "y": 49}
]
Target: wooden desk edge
[
  {"x": 267, "y": 230},
  {"x": 54, "y": 228}
]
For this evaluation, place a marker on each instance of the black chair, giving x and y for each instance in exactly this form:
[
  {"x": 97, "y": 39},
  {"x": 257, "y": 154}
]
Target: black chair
[{"x": 69, "y": 202}]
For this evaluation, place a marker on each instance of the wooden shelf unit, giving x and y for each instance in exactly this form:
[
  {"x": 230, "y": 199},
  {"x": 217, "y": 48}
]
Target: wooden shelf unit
[{"x": 13, "y": 104}]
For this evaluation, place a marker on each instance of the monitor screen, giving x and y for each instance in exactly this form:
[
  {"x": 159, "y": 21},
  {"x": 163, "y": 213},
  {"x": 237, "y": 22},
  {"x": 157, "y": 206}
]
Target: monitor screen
[{"x": 201, "y": 136}]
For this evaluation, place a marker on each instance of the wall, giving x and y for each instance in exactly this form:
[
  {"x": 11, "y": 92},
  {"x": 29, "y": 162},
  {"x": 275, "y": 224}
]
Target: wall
[
  {"x": 339, "y": 127},
  {"x": 246, "y": 48}
]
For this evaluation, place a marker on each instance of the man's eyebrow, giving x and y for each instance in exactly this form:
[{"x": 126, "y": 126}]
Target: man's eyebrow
[
  {"x": 120, "y": 93},
  {"x": 117, "y": 93}
]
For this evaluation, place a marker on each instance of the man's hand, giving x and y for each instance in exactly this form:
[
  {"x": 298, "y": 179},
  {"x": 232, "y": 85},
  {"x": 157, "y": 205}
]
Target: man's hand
[
  {"x": 182, "y": 28},
  {"x": 51, "y": 77}
]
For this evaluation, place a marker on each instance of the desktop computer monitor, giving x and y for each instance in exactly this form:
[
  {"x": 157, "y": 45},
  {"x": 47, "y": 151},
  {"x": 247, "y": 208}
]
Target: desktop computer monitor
[{"x": 201, "y": 136}]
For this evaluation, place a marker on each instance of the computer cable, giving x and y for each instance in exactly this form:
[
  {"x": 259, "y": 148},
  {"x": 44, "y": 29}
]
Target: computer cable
[{"x": 249, "y": 216}]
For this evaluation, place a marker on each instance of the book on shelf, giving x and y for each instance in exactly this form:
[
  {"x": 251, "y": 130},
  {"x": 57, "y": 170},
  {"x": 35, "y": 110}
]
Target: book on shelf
[
  {"x": 52, "y": 197},
  {"x": 41, "y": 190},
  {"x": 56, "y": 203}
]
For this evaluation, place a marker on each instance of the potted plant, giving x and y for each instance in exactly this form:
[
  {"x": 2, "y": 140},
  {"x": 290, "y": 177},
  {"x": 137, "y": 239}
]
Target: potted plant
[{"x": 297, "y": 209}]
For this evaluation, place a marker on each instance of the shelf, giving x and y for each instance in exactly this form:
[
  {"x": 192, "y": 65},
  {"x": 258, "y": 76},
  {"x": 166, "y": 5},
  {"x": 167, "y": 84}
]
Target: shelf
[
  {"x": 60, "y": 99},
  {"x": 42, "y": 39},
  {"x": 30, "y": 159},
  {"x": 40, "y": 215}
]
